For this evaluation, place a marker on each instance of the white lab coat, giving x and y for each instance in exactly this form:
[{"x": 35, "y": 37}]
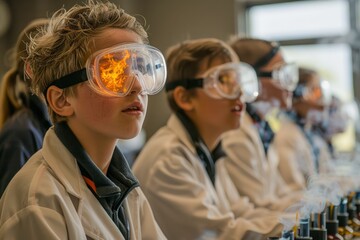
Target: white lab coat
[
  {"x": 184, "y": 201},
  {"x": 296, "y": 159},
  {"x": 48, "y": 199},
  {"x": 255, "y": 173}
]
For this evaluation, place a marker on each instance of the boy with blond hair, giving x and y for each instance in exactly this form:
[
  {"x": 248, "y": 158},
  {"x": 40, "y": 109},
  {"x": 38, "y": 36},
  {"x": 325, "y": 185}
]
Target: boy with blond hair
[{"x": 95, "y": 70}]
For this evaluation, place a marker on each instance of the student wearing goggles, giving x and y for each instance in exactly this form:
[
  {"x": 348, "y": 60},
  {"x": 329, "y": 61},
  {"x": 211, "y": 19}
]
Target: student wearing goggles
[
  {"x": 300, "y": 154},
  {"x": 181, "y": 168},
  {"x": 113, "y": 71},
  {"x": 316, "y": 92},
  {"x": 283, "y": 77},
  {"x": 251, "y": 158},
  {"x": 228, "y": 81},
  {"x": 339, "y": 117},
  {"x": 311, "y": 98}
]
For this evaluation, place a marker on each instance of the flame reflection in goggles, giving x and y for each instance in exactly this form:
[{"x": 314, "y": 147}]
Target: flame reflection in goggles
[
  {"x": 315, "y": 95},
  {"x": 320, "y": 94},
  {"x": 113, "y": 71}
]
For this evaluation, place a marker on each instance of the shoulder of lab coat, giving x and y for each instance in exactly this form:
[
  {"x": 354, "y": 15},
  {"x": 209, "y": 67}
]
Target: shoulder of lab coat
[
  {"x": 48, "y": 199},
  {"x": 296, "y": 163}
]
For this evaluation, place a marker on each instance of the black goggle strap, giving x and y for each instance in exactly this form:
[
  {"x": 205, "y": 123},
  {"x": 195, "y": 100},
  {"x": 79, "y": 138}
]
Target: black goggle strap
[
  {"x": 266, "y": 58},
  {"x": 69, "y": 80},
  {"x": 201, "y": 149},
  {"x": 186, "y": 83},
  {"x": 264, "y": 74}
]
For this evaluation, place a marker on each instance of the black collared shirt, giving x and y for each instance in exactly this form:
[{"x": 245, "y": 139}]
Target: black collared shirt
[
  {"x": 110, "y": 189},
  {"x": 263, "y": 127}
]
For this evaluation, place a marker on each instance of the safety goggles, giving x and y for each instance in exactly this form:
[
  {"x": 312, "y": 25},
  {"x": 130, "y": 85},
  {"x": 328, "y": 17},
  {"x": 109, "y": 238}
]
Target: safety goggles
[
  {"x": 113, "y": 71},
  {"x": 230, "y": 81},
  {"x": 286, "y": 75},
  {"x": 320, "y": 93}
]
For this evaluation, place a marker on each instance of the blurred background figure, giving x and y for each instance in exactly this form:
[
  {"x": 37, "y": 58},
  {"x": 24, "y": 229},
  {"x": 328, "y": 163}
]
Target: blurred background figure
[
  {"x": 252, "y": 161},
  {"x": 300, "y": 155},
  {"x": 354, "y": 113},
  {"x": 336, "y": 122},
  {"x": 23, "y": 116}
]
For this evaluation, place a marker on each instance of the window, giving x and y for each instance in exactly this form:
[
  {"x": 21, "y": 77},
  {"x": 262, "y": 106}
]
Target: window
[
  {"x": 332, "y": 61},
  {"x": 318, "y": 34},
  {"x": 301, "y": 19}
]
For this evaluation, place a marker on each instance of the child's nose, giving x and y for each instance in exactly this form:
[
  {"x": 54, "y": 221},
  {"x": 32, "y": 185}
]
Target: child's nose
[{"x": 136, "y": 87}]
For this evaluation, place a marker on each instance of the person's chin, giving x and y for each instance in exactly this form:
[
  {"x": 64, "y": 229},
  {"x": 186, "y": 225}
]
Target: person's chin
[{"x": 234, "y": 126}]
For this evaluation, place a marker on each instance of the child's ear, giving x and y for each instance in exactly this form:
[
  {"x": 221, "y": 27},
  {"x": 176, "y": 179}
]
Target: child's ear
[
  {"x": 183, "y": 99},
  {"x": 58, "y": 102}
]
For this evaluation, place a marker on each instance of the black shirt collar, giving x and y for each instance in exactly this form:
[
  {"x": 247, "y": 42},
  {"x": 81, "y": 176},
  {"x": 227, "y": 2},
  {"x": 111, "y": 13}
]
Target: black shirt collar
[
  {"x": 201, "y": 149},
  {"x": 264, "y": 129},
  {"x": 119, "y": 179},
  {"x": 110, "y": 189}
]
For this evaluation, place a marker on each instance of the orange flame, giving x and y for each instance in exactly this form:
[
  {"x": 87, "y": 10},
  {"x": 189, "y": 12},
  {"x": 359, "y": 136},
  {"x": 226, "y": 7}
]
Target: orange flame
[
  {"x": 113, "y": 72},
  {"x": 295, "y": 226},
  {"x": 331, "y": 211},
  {"x": 315, "y": 95}
]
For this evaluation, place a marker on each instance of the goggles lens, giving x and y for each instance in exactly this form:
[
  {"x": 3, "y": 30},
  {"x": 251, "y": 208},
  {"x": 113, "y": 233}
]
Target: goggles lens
[
  {"x": 319, "y": 93},
  {"x": 113, "y": 71},
  {"x": 232, "y": 80},
  {"x": 287, "y": 76}
]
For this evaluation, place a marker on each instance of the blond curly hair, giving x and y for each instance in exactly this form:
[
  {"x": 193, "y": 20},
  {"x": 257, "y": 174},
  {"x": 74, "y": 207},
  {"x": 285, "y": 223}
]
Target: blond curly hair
[{"x": 65, "y": 44}]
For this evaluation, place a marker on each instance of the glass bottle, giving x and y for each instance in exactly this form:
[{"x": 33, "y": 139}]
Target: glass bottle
[
  {"x": 304, "y": 230},
  {"x": 357, "y": 204},
  {"x": 345, "y": 230},
  {"x": 353, "y": 221},
  {"x": 332, "y": 223},
  {"x": 318, "y": 226}
]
